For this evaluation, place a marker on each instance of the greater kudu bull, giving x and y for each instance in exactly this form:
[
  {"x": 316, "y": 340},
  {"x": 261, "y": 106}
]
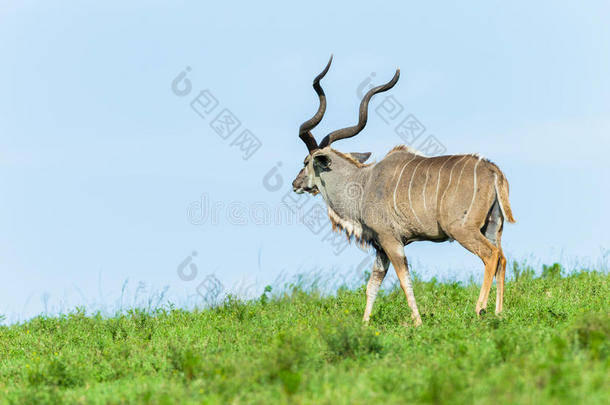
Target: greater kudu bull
[{"x": 407, "y": 197}]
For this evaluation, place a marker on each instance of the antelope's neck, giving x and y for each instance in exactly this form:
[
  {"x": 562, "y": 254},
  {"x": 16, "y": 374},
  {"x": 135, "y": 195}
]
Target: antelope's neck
[{"x": 344, "y": 196}]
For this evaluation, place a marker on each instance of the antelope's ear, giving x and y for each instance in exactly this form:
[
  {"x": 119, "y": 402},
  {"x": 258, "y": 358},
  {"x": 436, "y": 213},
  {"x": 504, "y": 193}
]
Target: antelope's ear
[
  {"x": 361, "y": 157},
  {"x": 322, "y": 161}
]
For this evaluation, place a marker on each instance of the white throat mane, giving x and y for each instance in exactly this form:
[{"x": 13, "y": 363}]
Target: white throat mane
[{"x": 351, "y": 228}]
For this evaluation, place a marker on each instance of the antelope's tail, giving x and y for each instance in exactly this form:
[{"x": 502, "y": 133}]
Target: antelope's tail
[{"x": 501, "y": 185}]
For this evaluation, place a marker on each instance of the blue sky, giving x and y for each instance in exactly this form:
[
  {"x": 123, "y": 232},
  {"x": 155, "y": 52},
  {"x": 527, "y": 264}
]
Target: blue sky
[{"x": 100, "y": 160}]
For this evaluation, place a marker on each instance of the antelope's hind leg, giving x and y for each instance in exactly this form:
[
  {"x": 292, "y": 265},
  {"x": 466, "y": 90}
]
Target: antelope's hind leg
[
  {"x": 500, "y": 275},
  {"x": 493, "y": 232},
  {"x": 380, "y": 269},
  {"x": 473, "y": 240}
]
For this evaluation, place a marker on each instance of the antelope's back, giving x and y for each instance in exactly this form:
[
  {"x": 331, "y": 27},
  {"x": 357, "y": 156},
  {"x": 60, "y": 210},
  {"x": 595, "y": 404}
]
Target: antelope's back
[{"x": 428, "y": 193}]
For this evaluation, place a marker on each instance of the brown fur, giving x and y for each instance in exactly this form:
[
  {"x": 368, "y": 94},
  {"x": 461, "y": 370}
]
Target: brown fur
[
  {"x": 402, "y": 148},
  {"x": 352, "y": 160},
  {"x": 459, "y": 197},
  {"x": 408, "y": 197}
]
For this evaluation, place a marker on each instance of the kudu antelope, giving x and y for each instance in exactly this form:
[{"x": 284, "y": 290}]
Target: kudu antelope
[{"x": 407, "y": 197}]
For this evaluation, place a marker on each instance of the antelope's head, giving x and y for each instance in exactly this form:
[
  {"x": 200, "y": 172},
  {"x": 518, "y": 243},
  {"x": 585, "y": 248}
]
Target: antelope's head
[{"x": 322, "y": 159}]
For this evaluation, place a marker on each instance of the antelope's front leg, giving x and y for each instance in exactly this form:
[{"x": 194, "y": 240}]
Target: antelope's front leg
[
  {"x": 396, "y": 254},
  {"x": 380, "y": 269}
]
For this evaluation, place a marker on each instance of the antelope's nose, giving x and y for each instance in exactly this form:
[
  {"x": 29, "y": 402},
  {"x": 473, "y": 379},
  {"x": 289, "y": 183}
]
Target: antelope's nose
[{"x": 297, "y": 186}]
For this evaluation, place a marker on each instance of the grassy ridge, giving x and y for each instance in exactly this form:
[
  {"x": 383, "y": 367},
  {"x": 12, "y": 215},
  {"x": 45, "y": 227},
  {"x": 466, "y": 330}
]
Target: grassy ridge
[{"x": 550, "y": 346}]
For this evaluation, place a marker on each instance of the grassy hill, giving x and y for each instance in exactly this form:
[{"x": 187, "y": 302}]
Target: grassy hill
[{"x": 550, "y": 346}]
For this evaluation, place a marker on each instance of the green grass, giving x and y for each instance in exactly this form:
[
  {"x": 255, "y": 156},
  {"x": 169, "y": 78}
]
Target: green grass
[{"x": 551, "y": 345}]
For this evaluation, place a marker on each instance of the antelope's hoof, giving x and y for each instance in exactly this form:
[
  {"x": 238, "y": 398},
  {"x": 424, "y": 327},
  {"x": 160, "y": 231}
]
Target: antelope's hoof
[
  {"x": 482, "y": 312},
  {"x": 417, "y": 321}
]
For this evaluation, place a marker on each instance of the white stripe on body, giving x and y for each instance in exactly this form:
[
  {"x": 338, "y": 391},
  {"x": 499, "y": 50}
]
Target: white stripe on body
[
  {"x": 474, "y": 190},
  {"x": 424, "y": 192},
  {"x": 398, "y": 182},
  {"x": 448, "y": 184},
  {"x": 409, "y": 193},
  {"x": 461, "y": 172},
  {"x": 438, "y": 183}
]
